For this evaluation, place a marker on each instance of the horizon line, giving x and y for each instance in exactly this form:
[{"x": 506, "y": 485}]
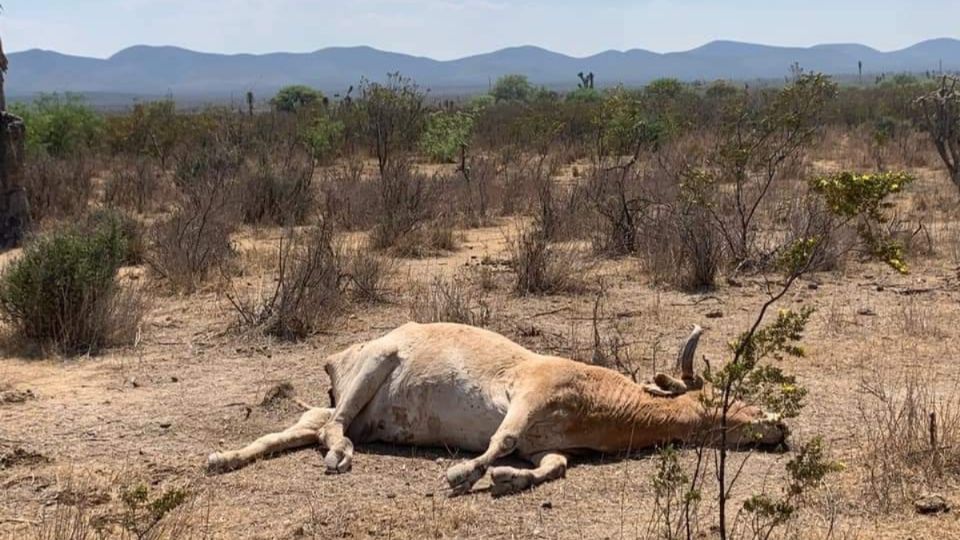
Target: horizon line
[{"x": 526, "y": 46}]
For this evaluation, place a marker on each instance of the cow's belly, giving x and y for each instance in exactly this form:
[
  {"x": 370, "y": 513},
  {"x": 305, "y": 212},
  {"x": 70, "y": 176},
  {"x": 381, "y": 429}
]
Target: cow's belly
[{"x": 445, "y": 411}]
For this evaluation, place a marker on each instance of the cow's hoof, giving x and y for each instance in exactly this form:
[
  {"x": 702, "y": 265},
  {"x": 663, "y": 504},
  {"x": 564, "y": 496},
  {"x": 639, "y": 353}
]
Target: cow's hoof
[
  {"x": 509, "y": 480},
  {"x": 339, "y": 460},
  {"x": 463, "y": 476},
  {"x": 218, "y": 463}
]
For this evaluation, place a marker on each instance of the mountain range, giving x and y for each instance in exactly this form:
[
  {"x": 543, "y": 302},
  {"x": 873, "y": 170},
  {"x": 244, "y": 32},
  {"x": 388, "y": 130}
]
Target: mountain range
[{"x": 152, "y": 71}]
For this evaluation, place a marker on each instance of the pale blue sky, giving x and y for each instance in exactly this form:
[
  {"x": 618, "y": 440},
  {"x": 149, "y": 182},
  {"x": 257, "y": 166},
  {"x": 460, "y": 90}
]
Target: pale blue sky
[{"x": 446, "y": 29}]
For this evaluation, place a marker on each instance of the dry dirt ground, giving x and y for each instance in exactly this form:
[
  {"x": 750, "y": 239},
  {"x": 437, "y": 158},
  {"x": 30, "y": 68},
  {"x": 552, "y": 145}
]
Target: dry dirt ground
[{"x": 192, "y": 384}]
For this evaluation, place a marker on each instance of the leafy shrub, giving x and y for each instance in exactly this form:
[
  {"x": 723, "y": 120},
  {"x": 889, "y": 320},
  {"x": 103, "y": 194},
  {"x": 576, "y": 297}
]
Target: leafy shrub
[
  {"x": 584, "y": 95},
  {"x": 296, "y": 97},
  {"x": 63, "y": 292},
  {"x": 861, "y": 198},
  {"x": 446, "y": 134},
  {"x": 59, "y": 125},
  {"x": 115, "y": 222},
  {"x": 512, "y": 88},
  {"x": 323, "y": 137},
  {"x": 153, "y": 129}
]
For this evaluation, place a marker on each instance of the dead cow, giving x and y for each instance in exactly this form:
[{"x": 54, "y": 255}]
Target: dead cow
[{"x": 459, "y": 386}]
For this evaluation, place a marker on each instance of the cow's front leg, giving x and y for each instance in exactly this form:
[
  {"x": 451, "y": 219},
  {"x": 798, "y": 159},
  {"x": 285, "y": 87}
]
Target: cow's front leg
[
  {"x": 463, "y": 476},
  {"x": 303, "y": 433},
  {"x": 375, "y": 368}
]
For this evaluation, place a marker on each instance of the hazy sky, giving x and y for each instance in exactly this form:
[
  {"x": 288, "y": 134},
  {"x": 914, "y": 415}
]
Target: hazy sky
[{"x": 446, "y": 29}]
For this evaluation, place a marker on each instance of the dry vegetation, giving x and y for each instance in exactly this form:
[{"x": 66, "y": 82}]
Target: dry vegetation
[{"x": 238, "y": 250}]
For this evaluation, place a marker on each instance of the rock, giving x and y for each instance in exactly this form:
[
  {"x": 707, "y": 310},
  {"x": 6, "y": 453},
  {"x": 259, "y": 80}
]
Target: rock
[
  {"x": 714, "y": 314},
  {"x": 813, "y": 286},
  {"x": 133, "y": 382},
  {"x": 165, "y": 424},
  {"x": 546, "y": 504},
  {"x": 174, "y": 379},
  {"x": 931, "y": 504},
  {"x": 391, "y": 495},
  {"x": 17, "y": 396},
  {"x": 866, "y": 312},
  {"x": 880, "y": 288}
]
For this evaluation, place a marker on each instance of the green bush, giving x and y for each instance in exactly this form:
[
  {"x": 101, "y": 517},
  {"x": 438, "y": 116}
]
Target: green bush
[
  {"x": 584, "y": 95},
  {"x": 446, "y": 134},
  {"x": 323, "y": 137},
  {"x": 512, "y": 88},
  {"x": 63, "y": 292},
  {"x": 296, "y": 97},
  {"x": 59, "y": 125},
  {"x": 118, "y": 223}
]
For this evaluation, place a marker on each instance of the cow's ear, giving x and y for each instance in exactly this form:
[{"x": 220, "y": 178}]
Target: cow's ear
[{"x": 665, "y": 386}]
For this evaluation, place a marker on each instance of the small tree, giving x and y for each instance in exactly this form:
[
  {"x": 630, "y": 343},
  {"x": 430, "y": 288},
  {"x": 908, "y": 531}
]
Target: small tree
[
  {"x": 153, "y": 129},
  {"x": 447, "y": 135},
  {"x": 296, "y": 97},
  {"x": 941, "y": 118},
  {"x": 59, "y": 125},
  {"x": 749, "y": 377},
  {"x": 757, "y": 142},
  {"x": 392, "y": 117},
  {"x": 513, "y": 88}
]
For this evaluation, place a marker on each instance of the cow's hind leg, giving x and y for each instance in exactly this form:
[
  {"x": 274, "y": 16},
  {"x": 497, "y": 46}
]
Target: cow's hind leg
[
  {"x": 462, "y": 476},
  {"x": 303, "y": 433},
  {"x": 376, "y": 367},
  {"x": 548, "y": 466}
]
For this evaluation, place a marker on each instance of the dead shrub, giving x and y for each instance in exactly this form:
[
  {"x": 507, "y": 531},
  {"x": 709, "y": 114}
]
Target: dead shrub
[
  {"x": 369, "y": 274},
  {"x": 916, "y": 320},
  {"x": 427, "y": 240},
  {"x": 701, "y": 249},
  {"x": 408, "y": 224},
  {"x": 682, "y": 247},
  {"x": 910, "y": 438},
  {"x": 543, "y": 267},
  {"x": 309, "y": 289},
  {"x": 350, "y": 199},
  {"x": 617, "y": 201},
  {"x": 134, "y": 183},
  {"x": 187, "y": 247},
  {"x": 806, "y": 217},
  {"x": 58, "y": 187},
  {"x": 451, "y": 299},
  {"x": 276, "y": 187}
]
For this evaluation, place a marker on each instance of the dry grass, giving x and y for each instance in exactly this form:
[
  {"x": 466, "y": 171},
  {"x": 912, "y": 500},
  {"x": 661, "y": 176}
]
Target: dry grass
[
  {"x": 909, "y": 436},
  {"x": 544, "y": 267},
  {"x": 453, "y": 299}
]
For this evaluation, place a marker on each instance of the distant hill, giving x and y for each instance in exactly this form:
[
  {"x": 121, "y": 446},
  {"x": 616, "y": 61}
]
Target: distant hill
[{"x": 152, "y": 71}]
